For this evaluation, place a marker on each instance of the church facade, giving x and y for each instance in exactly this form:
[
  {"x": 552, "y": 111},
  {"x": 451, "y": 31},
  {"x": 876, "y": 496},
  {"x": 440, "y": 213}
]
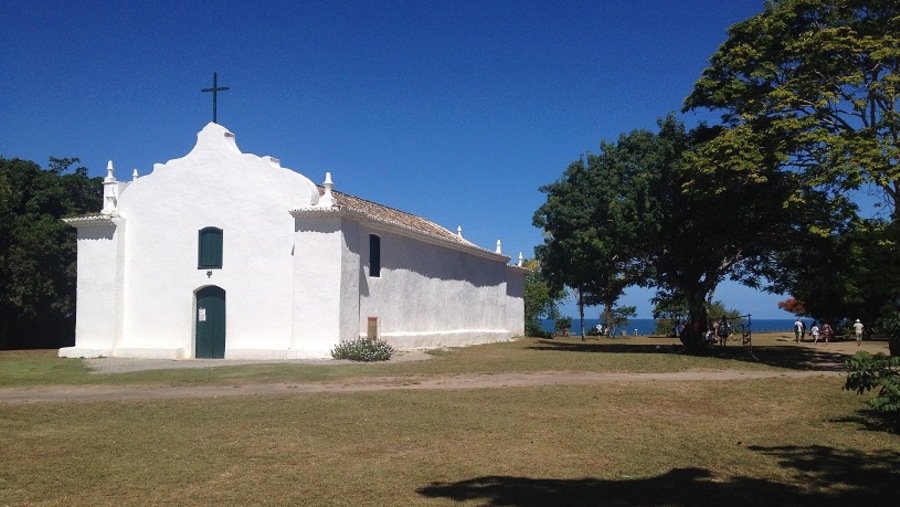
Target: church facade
[{"x": 225, "y": 254}]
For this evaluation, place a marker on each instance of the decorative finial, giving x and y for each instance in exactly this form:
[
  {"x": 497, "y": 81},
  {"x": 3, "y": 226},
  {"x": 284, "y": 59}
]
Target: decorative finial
[
  {"x": 327, "y": 200},
  {"x": 521, "y": 260},
  {"x": 459, "y": 230},
  {"x": 499, "y": 247},
  {"x": 109, "y": 172},
  {"x": 110, "y": 192},
  {"x": 134, "y": 174}
]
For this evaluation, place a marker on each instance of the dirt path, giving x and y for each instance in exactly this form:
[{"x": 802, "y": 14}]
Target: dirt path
[
  {"x": 56, "y": 394},
  {"x": 88, "y": 393}
]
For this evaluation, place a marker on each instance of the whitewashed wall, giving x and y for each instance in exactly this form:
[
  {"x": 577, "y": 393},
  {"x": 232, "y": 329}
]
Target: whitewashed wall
[
  {"x": 100, "y": 279},
  {"x": 430, "y": 295},
  {"x": 318, "y": 279},
  {"x": 515, "y": 300},
  {"x": 246, "y": 196}
]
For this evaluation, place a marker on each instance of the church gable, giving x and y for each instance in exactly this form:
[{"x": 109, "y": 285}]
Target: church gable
[{"x": 215, "y": 166}]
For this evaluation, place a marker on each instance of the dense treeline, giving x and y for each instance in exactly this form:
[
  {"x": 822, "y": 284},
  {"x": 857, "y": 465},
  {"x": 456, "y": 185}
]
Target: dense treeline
[{"x": 37, "y": 250}]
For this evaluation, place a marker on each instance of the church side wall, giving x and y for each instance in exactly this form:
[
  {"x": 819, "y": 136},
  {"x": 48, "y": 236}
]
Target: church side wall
[
  {"x": 515, "y": 300},
  {"x": 351, "y": 276},
  {"x": 317, "y": 278},
  {"x": 99, "y": 286},
  {"x": 429, "y": 296}
]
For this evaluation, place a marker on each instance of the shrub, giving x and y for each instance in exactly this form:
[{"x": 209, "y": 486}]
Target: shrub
[
  {"x": 866, "y": 372},
  {"x": 363, "y": 349},
  {"x": 563, "y": 324},
  {"x": 890, "y": 326},
  {"x": 535, "y": 330}
]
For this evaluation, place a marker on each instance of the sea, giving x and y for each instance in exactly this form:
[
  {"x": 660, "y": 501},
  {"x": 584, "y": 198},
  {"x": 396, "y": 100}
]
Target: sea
[{"x": 647, "y": 327}]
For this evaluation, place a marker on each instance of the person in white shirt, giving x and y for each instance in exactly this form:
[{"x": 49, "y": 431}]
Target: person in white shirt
[{"x": 858, "y": 331}]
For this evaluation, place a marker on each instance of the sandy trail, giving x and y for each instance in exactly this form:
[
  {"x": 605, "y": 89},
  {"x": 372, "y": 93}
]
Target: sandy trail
[
  {"x": 57, "y": 394},
  {"x": 101, "y": 393}
]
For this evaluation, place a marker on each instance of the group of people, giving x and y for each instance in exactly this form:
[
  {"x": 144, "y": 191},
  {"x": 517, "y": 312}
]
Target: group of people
[
  {"x": 719, "y": 332},
  {"x": 826, "y": 332}
]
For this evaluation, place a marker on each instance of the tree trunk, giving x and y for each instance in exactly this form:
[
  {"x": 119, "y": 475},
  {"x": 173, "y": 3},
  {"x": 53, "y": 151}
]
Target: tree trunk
[
  {"x": 4, "y": 331},
  {"x": 607, "y": 308},
  {"x": 581, "y": 314},
  {"x": 694, "y": 335}
]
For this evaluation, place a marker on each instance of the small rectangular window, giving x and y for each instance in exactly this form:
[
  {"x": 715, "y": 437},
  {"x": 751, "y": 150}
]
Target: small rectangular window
[
  {"x": 210, "y": 248},
  {"x": 374, "y": 255}
]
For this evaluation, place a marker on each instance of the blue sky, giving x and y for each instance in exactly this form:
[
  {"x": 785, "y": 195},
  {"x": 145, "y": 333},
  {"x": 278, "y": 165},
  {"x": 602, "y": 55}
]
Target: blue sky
[{"x": 456, "y": 111}]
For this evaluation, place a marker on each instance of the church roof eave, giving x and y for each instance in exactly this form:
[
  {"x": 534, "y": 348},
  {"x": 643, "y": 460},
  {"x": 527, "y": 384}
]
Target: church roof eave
[
  {"x": 91, "y": 220},
  {"x": 379, "y": 217}
]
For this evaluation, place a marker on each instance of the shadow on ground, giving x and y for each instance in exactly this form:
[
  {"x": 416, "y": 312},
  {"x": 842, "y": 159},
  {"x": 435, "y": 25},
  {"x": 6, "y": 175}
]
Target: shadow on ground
[
  {"x": 782, "y": 356},
  {"x": 823, "y": 476}
]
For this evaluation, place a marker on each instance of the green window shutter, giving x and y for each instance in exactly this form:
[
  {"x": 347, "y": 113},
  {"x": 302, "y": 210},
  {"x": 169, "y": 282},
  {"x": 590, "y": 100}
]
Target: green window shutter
[
  {"x": 374, "y": 255},
  {"x": 210, "y": 250}
]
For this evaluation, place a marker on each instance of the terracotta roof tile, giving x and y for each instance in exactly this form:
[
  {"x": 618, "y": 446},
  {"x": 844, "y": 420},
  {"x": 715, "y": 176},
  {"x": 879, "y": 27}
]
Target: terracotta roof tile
[{"x": 385, "y": 214}]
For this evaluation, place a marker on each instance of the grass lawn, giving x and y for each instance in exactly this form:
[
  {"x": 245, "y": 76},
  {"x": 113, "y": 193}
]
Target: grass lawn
[{"x": 778, "y": 441}]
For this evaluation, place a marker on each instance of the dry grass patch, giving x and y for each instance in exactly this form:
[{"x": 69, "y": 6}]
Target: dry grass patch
[
  {"x": 630, "y": 354},
  {"x": 747, "y": 442},
  {"x": 771, "y": 441}
]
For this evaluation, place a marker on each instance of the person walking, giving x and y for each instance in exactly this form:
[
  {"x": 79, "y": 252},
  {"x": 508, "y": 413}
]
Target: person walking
[
  {"x": 815, "y": 333},
  {"x": 826, "y": 332},
  {"x": 798, "y": 328},
  {"x": 858, "y": 331}
]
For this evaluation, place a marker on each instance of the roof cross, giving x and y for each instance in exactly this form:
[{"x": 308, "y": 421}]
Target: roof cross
[{"x": 215, "y": 91}]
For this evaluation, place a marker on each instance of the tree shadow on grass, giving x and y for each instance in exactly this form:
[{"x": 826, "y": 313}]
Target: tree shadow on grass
[
  {"x": 827, "y": 477},
  {"x": 782, "y": 356},
  {"x": 794, "y": 358},
  {"x": 873, "y": 420}
]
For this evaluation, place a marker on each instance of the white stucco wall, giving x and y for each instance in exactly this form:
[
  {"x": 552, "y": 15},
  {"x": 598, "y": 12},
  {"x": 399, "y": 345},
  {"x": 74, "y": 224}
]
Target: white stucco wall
[
  {"x": 432, "y": 296},
  {"x": 515, "y": 300},
  {"x": 246, "y": 196},
  {"x": 100, "y": 279},
  {"x": 316, "y": 278}
]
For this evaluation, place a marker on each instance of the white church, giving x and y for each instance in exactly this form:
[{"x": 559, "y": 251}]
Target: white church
[{"x": 224, "y": 254}]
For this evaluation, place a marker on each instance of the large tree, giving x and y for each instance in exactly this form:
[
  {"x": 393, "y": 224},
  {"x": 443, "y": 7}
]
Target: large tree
[
  {"x": 37, "y": 250},
  {"x": 814, "y": 82},
  {"x": 663, "y": 210},
  {"x": 709, "y": 222},
  {"x": 589, "y": 230}
]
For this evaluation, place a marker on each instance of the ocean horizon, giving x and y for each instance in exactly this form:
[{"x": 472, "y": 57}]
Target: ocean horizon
[{"x": 647, "y": 327}]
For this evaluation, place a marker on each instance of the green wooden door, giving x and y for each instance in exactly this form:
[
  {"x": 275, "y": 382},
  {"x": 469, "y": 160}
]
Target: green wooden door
[{"x": 210, "y": 322}]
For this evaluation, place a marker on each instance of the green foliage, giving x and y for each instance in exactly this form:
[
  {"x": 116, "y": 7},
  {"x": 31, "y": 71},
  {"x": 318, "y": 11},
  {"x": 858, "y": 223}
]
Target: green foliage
[
  {"x": 619, "y": 316},
  {"x": 889, "y": 325},
  {"x": 808, "y": 95},
  {"x": 656, "y": 209},
  {"x": 590, "y": 229},
  {"x": 866, "y": 372},
  {"x": 811, "y": 85},
  {"x": 541, "y": 300},
  {"x": 854, "y": 274},
  {"x": 717, "y": 310},
  {"x": 363, "y": 349},
  {"x": 563, "y": 323},
  {"x": 37, "y": 250}
]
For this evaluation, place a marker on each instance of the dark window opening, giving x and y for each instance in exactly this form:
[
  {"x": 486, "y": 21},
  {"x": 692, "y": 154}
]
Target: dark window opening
[
  {"x": 210, "y": 250},
  {"x": 374, "y": 255}
]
